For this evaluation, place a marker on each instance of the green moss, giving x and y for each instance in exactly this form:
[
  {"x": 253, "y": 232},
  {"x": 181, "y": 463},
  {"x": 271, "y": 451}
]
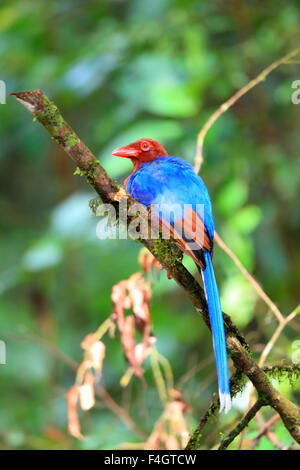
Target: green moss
[
  {"x": 214, "y": 407},
  {"x": 79, "y": 172},
  {"x": 194, "y": 442},
  {"x": 284, "y": 372},
  {"x": 233, "y": 331},
  {"x": 264, "y": 398},
  {"x": 166, "y": 252},
  {"x": 231, "y": 352},
  {"x": 195, "y": 439},
  {"x": 51, "y": 115},
  {"x": 94, "y": 203},
  {"x": 237, "y": 383},
  {"x": 90, "y": 173},
  {"x": 72, "y": 140}
]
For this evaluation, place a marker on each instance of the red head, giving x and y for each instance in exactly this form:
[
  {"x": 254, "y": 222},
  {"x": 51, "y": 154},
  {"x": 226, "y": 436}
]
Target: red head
[{"x": 141, "y": 151}]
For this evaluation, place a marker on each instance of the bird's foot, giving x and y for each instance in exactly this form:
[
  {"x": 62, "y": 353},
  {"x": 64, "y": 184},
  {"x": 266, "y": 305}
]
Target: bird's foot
[{"x": 118, "y": 196}]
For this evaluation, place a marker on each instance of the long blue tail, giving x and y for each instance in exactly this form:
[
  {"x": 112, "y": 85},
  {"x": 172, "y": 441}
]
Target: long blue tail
[{"x": 217, "y": 326}]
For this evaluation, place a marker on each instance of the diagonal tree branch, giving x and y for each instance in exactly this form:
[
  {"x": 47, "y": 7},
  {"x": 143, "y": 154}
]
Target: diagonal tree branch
[
  {"x": 49, "y": 116},
  {"x": 242, "y": 425}
]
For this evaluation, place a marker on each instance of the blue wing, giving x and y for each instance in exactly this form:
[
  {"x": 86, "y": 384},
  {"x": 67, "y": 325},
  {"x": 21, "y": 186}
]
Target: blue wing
[{"x": 172, "y": 181}]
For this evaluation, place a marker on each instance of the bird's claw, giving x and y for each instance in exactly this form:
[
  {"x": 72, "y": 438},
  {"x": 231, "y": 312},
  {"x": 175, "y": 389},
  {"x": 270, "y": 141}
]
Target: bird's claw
[{"x": 118, "y": 196}]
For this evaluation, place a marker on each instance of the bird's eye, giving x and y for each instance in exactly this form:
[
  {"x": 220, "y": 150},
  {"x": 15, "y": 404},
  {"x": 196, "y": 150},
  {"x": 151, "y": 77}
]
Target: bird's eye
[{"x": 145, "y": 146}]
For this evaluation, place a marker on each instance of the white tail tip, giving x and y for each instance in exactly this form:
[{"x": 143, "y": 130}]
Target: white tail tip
[{"x": 225, "y": 402}]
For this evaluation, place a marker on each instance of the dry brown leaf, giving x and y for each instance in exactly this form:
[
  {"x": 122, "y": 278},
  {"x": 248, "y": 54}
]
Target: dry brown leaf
[
  {"x": 87, "y": 392},
  {"x": 140, "y": 295},
  {"x": 174, "y": 414},
  {"x": 170, "y": 431},
  {"x": 127, "y": 338},
  {"x": 97, "y": 354},
  {"x": 136, "y": 294},
  {"x": 171, "y": 442},
  {"x": 87, "y": 341},
  {"x": 154, "y": 440},
  {"x": 142, "y": 350},
  {"x": 148, "y": 261},
  {"x": 95, "y": 351},
  {"x": 73, "y": 420}
]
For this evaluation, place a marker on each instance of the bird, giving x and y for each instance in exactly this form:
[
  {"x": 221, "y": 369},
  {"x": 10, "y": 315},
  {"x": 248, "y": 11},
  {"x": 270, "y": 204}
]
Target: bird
[{"x": 170, "y": 187}]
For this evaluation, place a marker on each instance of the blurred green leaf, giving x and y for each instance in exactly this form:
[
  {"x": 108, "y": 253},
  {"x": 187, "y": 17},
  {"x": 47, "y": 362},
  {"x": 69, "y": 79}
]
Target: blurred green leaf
[
  {"x": 232, "y": 196},
  {"x": 238, "y": 297},
  {"x": 174, "y": 100},
  {"x": 43, "y": 254},
  {"x": 246, "y": 219}
]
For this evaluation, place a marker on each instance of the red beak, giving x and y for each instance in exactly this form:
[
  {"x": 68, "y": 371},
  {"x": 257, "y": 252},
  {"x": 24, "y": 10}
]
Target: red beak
[{"x": 126, "y": 151}]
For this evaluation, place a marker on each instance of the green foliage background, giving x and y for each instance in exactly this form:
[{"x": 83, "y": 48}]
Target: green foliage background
[{"x": 119, "y": 71}]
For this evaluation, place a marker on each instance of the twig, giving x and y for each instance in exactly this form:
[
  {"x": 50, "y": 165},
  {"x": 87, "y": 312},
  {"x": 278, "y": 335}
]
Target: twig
[
  {"x": 272, "y": 341},
  {"x": 275, "y": 441},
  {"x": 167, "y": 371},
  {"x": 242, "y": 425},
  {"x": 120, "y": 412},
  {"x": 270, "y": 435},
  {"x": 266, "y": 427},
  {"x": 250, "y": 278},
  {"x": 269, "y": 346},
  {"x": 231, "y": 101},
  {"x": 158, "y": 376},
  {"x": 193, "y": 370},
  {"x": 194, "y": 441}
]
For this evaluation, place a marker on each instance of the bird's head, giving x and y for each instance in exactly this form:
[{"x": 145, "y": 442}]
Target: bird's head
[{"x": 141, "y": 151}]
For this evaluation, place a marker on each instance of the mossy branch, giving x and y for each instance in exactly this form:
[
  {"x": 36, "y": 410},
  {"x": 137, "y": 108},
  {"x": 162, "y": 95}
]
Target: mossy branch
[
  {"x": 290, "y": 372},
  {"x": 49, "y": 116},
  {"x": 237, "y": 384}
]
